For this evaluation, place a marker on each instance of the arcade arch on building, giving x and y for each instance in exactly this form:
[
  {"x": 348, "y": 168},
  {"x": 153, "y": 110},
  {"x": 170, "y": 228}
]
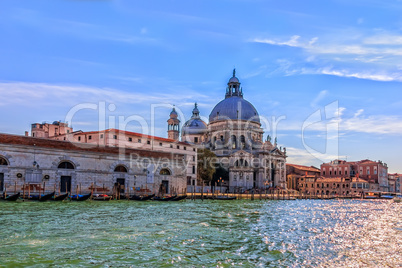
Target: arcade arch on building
[
  {"x": 65, "y": 165},
  {"x": 3, "y": 161}
]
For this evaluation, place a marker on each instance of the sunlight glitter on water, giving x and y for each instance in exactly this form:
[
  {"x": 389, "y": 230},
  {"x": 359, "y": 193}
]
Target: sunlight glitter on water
[{"x": 301, "y": 233}]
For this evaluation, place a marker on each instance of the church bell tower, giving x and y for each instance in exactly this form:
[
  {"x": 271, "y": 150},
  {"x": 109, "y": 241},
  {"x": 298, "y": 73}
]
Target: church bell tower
[{"x": 173, "y": 126}]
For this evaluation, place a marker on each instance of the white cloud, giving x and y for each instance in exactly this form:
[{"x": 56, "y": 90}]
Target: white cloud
[
  {"x": 384, "y": 39},
  {"x": 29, "y": 94},
  {"x": 358, "y": 123},
  {"x": 372, "y": 57},
  {"x": 369, "y": 75},
  {"x": 319, "y": 97},
  {"x": 303, "y": 157},
  {"x": 292, "y": 42}
]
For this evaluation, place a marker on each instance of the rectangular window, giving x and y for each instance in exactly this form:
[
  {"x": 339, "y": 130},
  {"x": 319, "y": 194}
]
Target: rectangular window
[
  {"x": 101, "y": 136},
  {"x": 195, "y": 139},
  {"x": 115, "y": 137},
  {"x": 148, "y": 142},
  {"x": 193, "y": 169},
  {"x": 184, "y": 148},
  {"x": 139, "y": 140},
  {"x": 171, "y": 145},
  {"x": 68, "y": 131},
  {"x": 193, "y": 149},
  {"x": 130, "y": 139},
  {"x": 79, "y": 138},
  {"x": 160, "y": 144},
  {"x": 89, "y": 137},
  {"x": 193, "y": 157},
  {"x": 178, "y": 147}
]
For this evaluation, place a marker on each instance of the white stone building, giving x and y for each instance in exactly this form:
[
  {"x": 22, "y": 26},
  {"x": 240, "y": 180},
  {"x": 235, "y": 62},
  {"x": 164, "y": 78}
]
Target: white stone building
[
  {"x": 235, "y": 135},
  {"x": 30, "y": 164}
]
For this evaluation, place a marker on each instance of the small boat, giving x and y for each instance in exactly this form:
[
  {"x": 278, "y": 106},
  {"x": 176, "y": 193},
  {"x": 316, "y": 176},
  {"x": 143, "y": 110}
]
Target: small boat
[
  {"x": 178, "y": 198},
  {"x": 371, "y": 195},
  {"x": 46, "y": 197},
  {"x": 142, "y": 197},
  {"x": 385, "y": 196},
  {"x": 42, "y": 198},
  {"x": 157, "y": 198},
  {"x": 60, "y": 197},
  {"x": 102, "y": 197},
  {"x": 13, "y": 197},
  {"x": 80, "y": 197},
  {"x": 222, "y": 197}
]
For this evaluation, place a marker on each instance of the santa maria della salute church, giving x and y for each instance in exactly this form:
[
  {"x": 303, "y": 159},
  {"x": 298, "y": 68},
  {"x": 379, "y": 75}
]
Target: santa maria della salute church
[
  {"x": 55, "y": 157},
  {"x": 235, "y": 135}
]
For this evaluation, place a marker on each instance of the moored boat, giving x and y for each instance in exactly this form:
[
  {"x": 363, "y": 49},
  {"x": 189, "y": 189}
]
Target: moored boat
[
  {"x": 80, "y": 197},
  {"x": 42, "y": 197},
  {"x": 60, "y": 197},
  {"x": 13, "y": 197},
  {"x": 142, "y": 197},
  {"x": 222, "y": 197},
  {"x": 102, "y": 197},
  {"x": 157, "y": 198},
  {"x": 180, "y": 197}
]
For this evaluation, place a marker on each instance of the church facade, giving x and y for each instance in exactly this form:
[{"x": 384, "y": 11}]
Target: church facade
[{"x": 235, "y": 135}]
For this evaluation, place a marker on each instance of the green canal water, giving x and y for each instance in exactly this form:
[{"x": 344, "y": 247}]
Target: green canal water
[{"x": 300, "y": 233}]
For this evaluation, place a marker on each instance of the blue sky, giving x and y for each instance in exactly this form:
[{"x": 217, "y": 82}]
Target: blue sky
[{"x": 294, "y": 58}]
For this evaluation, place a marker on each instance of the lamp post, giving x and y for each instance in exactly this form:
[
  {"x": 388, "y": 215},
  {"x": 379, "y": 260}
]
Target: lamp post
[
  {"x": 135, "y": 179},
  {"x": 220, "y": 180}
]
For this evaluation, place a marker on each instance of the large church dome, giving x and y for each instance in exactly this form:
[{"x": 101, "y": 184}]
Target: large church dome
[{"x": 234, "y": 107}]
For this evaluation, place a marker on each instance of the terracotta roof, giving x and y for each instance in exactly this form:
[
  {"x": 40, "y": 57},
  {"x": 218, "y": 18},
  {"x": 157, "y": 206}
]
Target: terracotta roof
[
  {"x": 87, "y": 147},
  {"x": 129, "y": 133},
  {"x": 304, "y": 167}
]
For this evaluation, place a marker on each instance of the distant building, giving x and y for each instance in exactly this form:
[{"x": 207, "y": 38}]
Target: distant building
[
  {"x": 46, "y": 130},
  {"x": 295, "y": 172},
  {"x": 335, "y": 186},
  {"x": 374, "y": 172},
  {"x": 394, "y": 181}
]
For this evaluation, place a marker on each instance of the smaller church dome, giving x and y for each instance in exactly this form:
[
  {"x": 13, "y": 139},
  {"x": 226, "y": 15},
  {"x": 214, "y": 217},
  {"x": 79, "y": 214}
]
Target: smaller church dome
[
  {"x": 173, "y": 113},
  {"x": 234, "y": 79},
  {"x": 195, "y": 125}
]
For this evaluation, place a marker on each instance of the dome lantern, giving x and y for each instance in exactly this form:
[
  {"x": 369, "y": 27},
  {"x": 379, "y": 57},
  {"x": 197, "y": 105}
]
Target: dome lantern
[
  {"x": 233, "y": 89},
  {"x": 234, "y": 107}
]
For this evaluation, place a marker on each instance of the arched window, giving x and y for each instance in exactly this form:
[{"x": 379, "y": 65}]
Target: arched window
[
  {"x": 245, "y": 163},
  {"x": 3, "y": 162},
  {"x": 120, "y": 168},
  {"x": 66, "y": 165},
  {"x": 242, "y": 142},
  {"x": 164, "y": 171},
  {"x": 233, "y": 142},
  {"x": 237, "y": 163}
]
